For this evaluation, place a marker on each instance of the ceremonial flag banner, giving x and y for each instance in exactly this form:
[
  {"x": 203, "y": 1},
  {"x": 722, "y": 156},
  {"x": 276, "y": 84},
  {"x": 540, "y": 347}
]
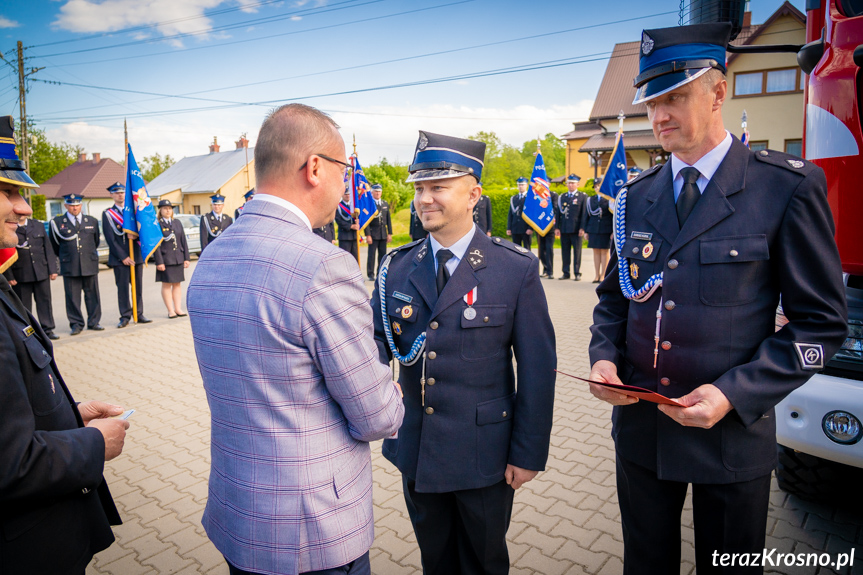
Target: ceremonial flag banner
[
  {"x": 538, "y": 210},
  {"x": 745, "y": 138},
  {"x": 139, "y": 214},
  {"x": 361, "y": 197},
  {"x": 7, "y": 258},
  {"x": 615, "y": 175}
]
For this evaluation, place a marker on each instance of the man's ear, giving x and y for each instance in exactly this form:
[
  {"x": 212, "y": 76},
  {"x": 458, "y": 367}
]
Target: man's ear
[
  {"x": 720, "y": 92},
  {"x": 312, "y": 171},
  {"x": 475, "y": 193}
]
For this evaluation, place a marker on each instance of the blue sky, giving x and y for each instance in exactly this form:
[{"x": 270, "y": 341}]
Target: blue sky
[{"x": 241, "y": 57}]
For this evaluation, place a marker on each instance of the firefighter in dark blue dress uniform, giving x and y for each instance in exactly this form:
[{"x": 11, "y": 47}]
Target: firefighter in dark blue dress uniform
[
  {"x": 546, "y": 243},
  {"x": 705, "y": 245},
  {"x": 119, "y": 259},
  {"x": 347, "y": 225},
  {"x": 455, "y": 308},
  {"x": 247, "y": 196},
  {"x": 379, "y": 232},
  {"x": 34, "y": 270},
  {"x": 214, "y": 222},
  {"x": 416, "y": 226},
  {"x": 75, "y": 237},
  {"x": 516, "y": 227},
  {"x": 482, "y": 215},
  {"x": 571, "y": 215},
  {"x": 328, "y": 232}
]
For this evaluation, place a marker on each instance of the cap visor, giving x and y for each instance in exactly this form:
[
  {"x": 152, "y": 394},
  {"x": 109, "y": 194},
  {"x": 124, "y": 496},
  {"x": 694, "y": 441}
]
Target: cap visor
[
  {"x": 17, "y": 178},
  {"x": 664, "y": 84},
  {"x": 423, "y": 175}
]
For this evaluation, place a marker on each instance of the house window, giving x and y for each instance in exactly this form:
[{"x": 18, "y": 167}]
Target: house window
[
  {"x": 196, "y": 210},
  {"x": 758, "y": 145},
  {"x": 794, "y": 147},
  {"x": 766, "y": 82}
]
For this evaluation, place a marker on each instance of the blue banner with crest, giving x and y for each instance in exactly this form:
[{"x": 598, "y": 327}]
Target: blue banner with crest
[
  {"x": 139, "y": 214},
  {"x": 361, "y": 195},
  {"x": 538, "y": 209},
  {"x": 615, "y": 175}
]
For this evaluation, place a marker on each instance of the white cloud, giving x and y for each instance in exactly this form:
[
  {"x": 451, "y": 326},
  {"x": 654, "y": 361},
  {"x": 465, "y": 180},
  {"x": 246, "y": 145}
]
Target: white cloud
[
  {"x": 296, "y": 18},
  {"x": 7, "y": 23},
  {"x": 180, "y": 16}
]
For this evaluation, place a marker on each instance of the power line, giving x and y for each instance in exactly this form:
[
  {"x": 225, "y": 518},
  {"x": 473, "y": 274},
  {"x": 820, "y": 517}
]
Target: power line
[{"x": 360, "y": 66}]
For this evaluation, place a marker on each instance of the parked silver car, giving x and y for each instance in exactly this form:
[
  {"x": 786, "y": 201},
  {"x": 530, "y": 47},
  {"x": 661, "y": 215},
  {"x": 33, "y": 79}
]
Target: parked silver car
[{"x": 192, "y": 230}]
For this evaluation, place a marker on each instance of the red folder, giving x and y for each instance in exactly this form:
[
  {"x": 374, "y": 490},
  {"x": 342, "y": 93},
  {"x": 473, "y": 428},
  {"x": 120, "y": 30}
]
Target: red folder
[{"x": 630, "y": 390}]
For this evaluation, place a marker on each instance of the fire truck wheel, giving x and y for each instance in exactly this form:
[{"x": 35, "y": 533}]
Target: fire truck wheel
[{"x": 807, "y": 476}]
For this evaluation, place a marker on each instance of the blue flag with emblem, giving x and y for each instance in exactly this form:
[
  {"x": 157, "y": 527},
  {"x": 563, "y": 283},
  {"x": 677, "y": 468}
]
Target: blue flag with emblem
[
  {"x": 538, "y": 210},
  {"x": 615, "y": 176},
  {"x": 139, "y": 215},
  {"x": 361, "y": 194}
]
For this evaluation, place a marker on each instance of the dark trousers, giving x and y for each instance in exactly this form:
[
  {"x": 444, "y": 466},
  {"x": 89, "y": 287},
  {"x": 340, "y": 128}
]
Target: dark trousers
[
  {"x": 729, "y": 518},
  {"x": 523, "y": 240},
  {"x": 350, "y": 246},
  {"x": 42, "y": 292},
  {"x": 359, "y": 566},
  {"x": 123, "y": 279},
  {"x": 378, "y": 247},
  {"x": 461, "y": 532},
  {"x": 73, "y": 286},
  {"x": 546, "y": 252},
  {"x": 571, "y": 242}
]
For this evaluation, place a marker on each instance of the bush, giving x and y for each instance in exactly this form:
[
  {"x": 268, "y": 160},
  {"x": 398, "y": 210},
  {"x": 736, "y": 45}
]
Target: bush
[{"x": 37, "y": 204}]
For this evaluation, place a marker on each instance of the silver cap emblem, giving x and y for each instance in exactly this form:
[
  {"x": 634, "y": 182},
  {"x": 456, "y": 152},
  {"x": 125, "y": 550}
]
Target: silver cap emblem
[{"x": 646, "y": 44}]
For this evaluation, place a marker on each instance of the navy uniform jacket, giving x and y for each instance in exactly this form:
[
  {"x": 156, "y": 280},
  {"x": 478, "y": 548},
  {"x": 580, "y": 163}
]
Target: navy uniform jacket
[
  {"x": 570, "y": 212},
  {"x": 344, "y": 223},
  {"x": 117, "y": 240},
  {"x": 173, "y": 250},
  {"x": 76, "y": 248},
  {"x": 604, "y": 222},
  {"x": 417, "y": 230},
  {"x": 479, "y": 423},
  {"x": 55, "y": 508},
  {"x": 514, "y": 222},
  {"x": 482, "y": 214},
  {"x": 761, "y": 228},
  {"x": 328, "y": 232},
  {"x": 36, "y": 259},
  {"x": 381, "y": 224},
  {"x": 212, "y": 226}
]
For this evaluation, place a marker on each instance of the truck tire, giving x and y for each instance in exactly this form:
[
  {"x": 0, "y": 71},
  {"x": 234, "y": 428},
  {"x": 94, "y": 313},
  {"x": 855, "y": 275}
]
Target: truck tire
[{"x": 806, "y": 476}]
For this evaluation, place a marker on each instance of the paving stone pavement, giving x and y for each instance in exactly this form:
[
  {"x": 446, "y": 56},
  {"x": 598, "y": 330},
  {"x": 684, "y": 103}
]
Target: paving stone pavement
[{"x": 566, "y": 521}]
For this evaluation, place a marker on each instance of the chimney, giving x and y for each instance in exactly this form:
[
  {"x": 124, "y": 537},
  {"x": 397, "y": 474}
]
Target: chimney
[
  {"x": 97, "y": 157},
  {"x": 747, "y": 19},
  {"x": 214, "y": 147},
  {"x": 82, "y": 157},
  {"x": 242, "y": 142}
]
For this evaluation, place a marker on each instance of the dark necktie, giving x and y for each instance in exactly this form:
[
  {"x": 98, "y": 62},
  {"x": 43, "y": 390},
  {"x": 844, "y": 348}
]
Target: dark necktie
[
  {"x": 689, "y": 195},
  {"x": 443, "y": 256}
]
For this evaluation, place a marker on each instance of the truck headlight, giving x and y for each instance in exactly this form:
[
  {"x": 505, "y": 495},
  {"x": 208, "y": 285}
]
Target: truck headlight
[
  {"x": 852, "y": 348},
  {"x": 842, "y": 427}
]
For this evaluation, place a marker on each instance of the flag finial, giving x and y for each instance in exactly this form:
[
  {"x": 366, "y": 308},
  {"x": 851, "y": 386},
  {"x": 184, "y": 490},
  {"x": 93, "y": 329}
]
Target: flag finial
[
  {"x": 621, "y": 117},
  {"x": 355, "y": 144}
]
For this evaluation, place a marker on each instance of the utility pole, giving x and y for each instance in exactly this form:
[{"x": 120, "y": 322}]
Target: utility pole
[{"x": 22, "y": 91}]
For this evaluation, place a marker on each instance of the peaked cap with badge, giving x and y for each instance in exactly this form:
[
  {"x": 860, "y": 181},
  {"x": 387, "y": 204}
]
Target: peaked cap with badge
[
  {"x": 439, "y": 157},
  {"x": 11, "y": 168}
]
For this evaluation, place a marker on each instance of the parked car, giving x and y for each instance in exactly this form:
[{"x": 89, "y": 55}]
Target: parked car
[{"x": 193, "y": 232}]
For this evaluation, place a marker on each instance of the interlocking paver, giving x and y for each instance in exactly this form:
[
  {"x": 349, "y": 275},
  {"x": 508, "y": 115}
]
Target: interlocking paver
[{"x": 565, "y": 521}]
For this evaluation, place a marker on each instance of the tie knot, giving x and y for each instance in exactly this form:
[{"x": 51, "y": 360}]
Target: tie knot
[
  {"x": 443, "y": 256},
  {"x": 690, "y": 175}
]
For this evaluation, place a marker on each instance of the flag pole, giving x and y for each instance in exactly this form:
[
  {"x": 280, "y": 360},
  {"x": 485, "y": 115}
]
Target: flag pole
[
  {"x": 131, "y": 241},
  {"x": 356, "y": 209}
]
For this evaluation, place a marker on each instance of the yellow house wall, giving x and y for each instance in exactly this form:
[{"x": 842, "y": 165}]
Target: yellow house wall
[
  {"x": 774, "y": 118},
  {"x": 233, "y": 190},
  {"x": 576, "y": 162}
]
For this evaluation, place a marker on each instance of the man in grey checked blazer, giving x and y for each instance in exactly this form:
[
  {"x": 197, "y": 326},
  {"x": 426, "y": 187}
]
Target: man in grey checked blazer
[{"x": 283, "y": 334}]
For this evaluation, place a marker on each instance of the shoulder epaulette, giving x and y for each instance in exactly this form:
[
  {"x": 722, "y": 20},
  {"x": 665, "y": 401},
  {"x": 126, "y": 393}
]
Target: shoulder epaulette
[
  {"x": 520, "y": 250},
  {"x": 646, "y": 173},
  {"x": 783, "y": 160},
  {"x": 406, "y": 246}
]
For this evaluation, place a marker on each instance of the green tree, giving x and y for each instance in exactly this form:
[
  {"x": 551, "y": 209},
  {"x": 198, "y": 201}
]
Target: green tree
[
  {"x": 48, "y": 159},
  {"x": 392, "y": 177},
  {"x": 152, "y": 166}
]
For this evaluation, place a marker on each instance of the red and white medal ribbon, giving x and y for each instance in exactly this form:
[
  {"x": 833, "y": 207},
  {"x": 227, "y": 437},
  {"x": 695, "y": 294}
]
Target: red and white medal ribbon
[{"x": 470, "y": 299}]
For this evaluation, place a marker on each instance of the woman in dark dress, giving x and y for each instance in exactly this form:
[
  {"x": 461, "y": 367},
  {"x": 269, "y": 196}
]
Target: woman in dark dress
[
  {"x": 172, "y": 257},
  {"x": 598, "y": 231}
]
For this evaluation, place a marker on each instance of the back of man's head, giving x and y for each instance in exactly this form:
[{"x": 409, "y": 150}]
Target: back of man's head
[{"x": 287, "y": 137}]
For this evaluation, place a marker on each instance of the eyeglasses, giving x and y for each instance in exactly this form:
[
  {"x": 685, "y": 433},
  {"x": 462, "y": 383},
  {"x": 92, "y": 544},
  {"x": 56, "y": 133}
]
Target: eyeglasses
[{"x": 333, "y": 160}]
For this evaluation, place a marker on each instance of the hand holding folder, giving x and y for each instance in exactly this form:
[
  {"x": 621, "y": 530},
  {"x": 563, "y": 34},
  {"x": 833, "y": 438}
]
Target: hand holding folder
[{"x": 630, "y": 391}]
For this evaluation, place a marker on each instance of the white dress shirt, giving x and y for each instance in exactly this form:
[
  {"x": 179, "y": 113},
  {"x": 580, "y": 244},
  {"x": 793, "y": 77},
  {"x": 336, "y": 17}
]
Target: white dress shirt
[
  {"x": 706, "y": 165},
  {"x": 285, "y": 204},
  {"x": 458, "y": 249}
]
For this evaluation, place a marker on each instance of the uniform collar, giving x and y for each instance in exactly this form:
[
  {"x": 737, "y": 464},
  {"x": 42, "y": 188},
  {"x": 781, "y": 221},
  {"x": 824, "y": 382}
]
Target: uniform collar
[
  {"x": 706, "y": 165},
  {"x": 458, "y": 249}
]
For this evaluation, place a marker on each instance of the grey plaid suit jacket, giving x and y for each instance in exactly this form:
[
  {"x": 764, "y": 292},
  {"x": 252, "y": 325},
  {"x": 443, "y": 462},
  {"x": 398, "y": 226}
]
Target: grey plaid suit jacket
[{"x": 283, "y": 334}]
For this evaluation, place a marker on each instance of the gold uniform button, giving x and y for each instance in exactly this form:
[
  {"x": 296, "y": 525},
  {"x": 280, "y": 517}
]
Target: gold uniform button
[
  {"x": 666, "y": 345},
  {"x": 669, "y": 305},
  {"x": 432, "y": 355},
  {"x": 433, "y": 325},
  {"x": 503, "y": 414},
  {"x": 733, "y": 253},
  {"x": 672, "y": 264},
  {"x": 429, "y": 410},
  {"x": 431, "y": 381},
  {"x": 665, "y": 381},
  {"x": 485, "y": 319}
]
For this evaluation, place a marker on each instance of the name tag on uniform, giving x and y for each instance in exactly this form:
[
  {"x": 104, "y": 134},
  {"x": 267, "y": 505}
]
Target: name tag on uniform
[
  {"x": 404, "y": 297},
  {"x": 28, "y": 331},
  {"x": 641, "y": 236}
]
